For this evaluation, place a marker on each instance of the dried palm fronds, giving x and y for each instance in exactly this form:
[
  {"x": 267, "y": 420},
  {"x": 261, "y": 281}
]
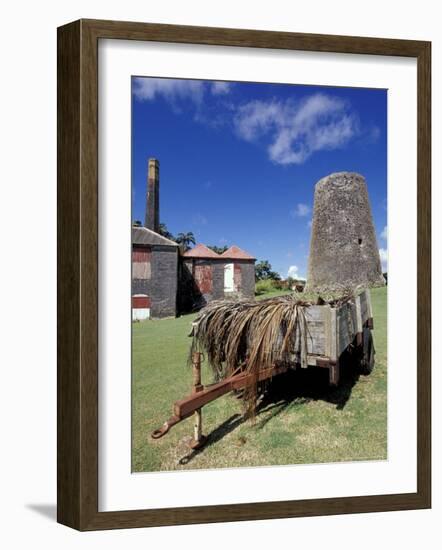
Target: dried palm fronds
[
  {"x": 248, "y": 336},
  {"x": 251, "y": 335}
]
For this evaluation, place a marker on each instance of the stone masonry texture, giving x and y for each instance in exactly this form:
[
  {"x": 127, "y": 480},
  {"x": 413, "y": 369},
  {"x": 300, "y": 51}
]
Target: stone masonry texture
[
  {"x": 218, "y": 280},
  {"x": 247, "y": 278},
  {"x": 343, "y": 246},
  {"x": 163, "y": 284}
]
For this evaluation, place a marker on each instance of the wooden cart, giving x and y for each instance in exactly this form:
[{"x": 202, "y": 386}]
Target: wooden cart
[{"x": 329, "y": 331}]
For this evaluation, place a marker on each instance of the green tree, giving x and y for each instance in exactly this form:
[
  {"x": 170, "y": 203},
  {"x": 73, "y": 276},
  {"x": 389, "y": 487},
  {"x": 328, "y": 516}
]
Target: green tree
[
  {"x": 137, "y": 223},
  {"x": 185, "y": 240},
  {"x": 217, "y": 249},
  {"x": 274, "y": 276},
  {"x": 162, "y": 230},
  {"x": 263, "y": 271}
]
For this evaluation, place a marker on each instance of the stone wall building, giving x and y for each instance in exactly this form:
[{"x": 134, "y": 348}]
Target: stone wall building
[
  {"x": 239, "y": 272},
  {"x": 165, "y": 283},
  {"x": 154, "y": 260},
  {"x": 343, "y": 246},
  {"x": 154, "y": 275},
  {"x": 206, "y": 275}
]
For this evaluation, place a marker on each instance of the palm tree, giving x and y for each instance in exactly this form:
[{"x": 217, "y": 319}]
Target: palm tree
[
  {"x": 217, "y": 249},
  {"x": 162, "y": 230},
  {"x": 185, "y": 240}
]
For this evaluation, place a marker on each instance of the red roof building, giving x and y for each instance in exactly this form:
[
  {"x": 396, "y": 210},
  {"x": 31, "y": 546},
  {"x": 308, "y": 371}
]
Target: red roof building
[
  {"x": 236, "y": 253},
  {"x": 206, "y": 275},
  {"x": 201, "y": 251}
]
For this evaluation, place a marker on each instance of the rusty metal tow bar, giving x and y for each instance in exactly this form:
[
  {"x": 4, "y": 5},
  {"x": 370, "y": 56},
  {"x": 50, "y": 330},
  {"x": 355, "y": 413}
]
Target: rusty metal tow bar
[
  {"x": 198, "y": 439},
  {"x": 202, "y": 395}
]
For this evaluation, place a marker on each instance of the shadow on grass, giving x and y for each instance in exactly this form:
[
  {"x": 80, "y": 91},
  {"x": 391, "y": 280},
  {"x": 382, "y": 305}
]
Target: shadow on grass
[
  {"x": 216, "y": 435},
  {"x": 295, "y": 388},
  {"x": 292, "y": 389}
]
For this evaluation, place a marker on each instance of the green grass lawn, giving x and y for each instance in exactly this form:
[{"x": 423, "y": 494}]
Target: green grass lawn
[{"x": 300, "y": 420}]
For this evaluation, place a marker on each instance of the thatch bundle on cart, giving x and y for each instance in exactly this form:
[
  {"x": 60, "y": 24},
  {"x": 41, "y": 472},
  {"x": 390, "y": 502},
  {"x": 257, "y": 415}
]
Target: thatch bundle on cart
[{"x": 246, "y": 336}]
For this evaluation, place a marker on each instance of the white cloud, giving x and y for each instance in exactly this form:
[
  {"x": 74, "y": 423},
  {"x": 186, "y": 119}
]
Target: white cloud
[
  {"x": 172, "y": 89},
  {"x": 301, "y": 210},
  {"x": 292, "y": 131},
  {"x": 310, "y": 223},
  {"x": 383, "y": 254},
  {"x": 147, "y": 89},
  {"x": 258, "y": 117},
  {"x": 293, "y": 273},
  {"x": 220, "y": 88},
  {"x": 384, "y": 234},
  {"x": 296, "y": 130}
]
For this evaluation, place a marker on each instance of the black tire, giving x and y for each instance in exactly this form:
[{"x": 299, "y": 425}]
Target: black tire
[{"x": 367, "y": 352}]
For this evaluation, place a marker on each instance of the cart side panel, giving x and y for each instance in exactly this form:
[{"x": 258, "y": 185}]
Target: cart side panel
[
  {"x": 365, "y": 306},
  {"x": 316, "y": 333},
  {"x": 359, "y": 323},
  {"x": 369, "y": 306},
  {"x": 321, "y": 331},
  {"x": 347, "y": 325}
]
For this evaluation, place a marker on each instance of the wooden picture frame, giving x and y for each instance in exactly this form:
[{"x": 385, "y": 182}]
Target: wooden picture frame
[{"x": 77, "y": 462}]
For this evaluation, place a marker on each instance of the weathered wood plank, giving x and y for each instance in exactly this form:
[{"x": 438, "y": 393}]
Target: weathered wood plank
[
  {"x": 333, "y": 339},
  {"x": 364, "y": 307},
  {"x": 359, "y": 322},
  {"x": 331, "y": 330},
  {"x": 315, "y": 343},
  {"x": 369, "y": 306},
  {"x": 315, "y": 313},
  {"x": 345, "y": 326}
]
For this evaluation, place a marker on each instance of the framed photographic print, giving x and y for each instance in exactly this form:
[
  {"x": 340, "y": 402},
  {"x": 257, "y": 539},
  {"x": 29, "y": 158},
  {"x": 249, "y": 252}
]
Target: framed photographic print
[{"x": 243, "y": 275}]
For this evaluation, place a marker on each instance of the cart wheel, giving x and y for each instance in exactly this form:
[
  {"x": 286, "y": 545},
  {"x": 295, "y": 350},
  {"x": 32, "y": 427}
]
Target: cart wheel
[{"x": 368, "y": 351}]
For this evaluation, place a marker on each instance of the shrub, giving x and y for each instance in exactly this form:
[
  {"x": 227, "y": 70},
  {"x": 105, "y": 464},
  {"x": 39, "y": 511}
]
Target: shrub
[
  {"x": 264, "y": 286},
  {"x": 279, "y": 285}
]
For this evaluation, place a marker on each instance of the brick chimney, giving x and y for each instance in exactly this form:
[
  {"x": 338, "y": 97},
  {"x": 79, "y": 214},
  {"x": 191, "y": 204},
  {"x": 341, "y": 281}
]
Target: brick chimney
[{"x": 152, "y": 220}]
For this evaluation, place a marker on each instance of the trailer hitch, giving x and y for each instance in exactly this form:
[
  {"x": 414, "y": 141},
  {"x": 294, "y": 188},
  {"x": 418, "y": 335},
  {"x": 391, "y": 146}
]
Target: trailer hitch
[
  {"x": 181, "y": 412},
  {"x": 156, "y": 434}
]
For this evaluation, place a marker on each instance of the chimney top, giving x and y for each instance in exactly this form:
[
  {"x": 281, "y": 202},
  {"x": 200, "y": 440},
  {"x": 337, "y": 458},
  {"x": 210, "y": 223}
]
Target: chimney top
[{"x": 152, "y": 220}]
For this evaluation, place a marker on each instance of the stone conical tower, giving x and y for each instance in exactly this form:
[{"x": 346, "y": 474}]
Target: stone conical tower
[{"x": 343, "y": 247}]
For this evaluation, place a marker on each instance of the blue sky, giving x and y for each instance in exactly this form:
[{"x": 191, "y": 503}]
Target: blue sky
[{"x": 239, "y": 161}]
